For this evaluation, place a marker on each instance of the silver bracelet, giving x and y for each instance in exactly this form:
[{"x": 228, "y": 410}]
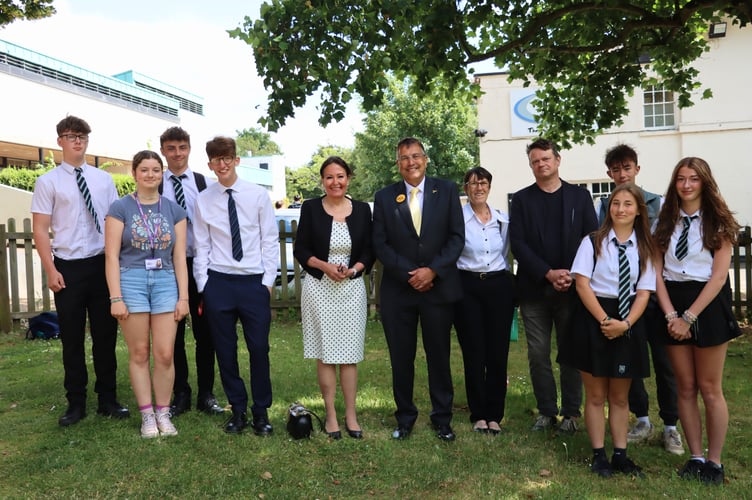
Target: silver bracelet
[
  {"x": 671, "y": 315},
  {"x": 689, "y": 317}
]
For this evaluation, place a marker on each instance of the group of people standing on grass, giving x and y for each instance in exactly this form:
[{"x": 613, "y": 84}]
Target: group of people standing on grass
[{"x": 635, "y": 271}]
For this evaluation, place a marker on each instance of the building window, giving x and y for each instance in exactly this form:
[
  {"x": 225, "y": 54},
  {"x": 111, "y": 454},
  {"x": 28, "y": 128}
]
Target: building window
[
  {"x": 597, "y": 189},
  {"x": 658, "y": 108},
  {"x": 264, "y": 166}
]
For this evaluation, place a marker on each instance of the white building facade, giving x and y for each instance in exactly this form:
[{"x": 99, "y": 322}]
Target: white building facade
[{"x": 718, "y": 130}]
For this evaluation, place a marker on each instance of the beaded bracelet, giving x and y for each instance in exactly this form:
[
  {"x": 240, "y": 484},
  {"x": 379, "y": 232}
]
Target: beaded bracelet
[
  {"x": 671, "y": 315},
  {"x": 115, "y": 299},
  {"x": 628, "y": 331},
  {"x": 689, "y": 317}
]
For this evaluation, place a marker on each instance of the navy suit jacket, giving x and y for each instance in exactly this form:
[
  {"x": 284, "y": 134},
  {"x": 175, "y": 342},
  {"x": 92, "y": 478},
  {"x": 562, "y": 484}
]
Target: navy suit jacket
[
  {"x": 315, "y": 229},
  {"x": 578, "y": 219},
  {"x": 441, "y": 240}
]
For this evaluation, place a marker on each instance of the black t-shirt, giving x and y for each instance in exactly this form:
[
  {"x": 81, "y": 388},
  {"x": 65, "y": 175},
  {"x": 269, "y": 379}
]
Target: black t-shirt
[{"x": 551, "y": 207}]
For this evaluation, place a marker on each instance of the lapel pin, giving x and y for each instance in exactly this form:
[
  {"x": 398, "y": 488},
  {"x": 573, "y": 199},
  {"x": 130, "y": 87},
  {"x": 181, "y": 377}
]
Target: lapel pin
[{"x": 400, "y": 198}]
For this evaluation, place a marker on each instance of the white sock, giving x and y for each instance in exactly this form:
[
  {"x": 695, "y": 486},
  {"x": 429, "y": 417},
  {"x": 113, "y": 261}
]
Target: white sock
[
  {"x": 644, "y": 420},
  {"x": 669, "y": 428}
]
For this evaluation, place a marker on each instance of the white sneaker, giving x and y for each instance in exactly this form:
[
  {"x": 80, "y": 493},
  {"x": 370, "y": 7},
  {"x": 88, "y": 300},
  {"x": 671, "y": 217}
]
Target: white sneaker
[
  {"x": 149, "y": 425},
  {"x": 165, "y": 424},
  {"x": 641, "y": 431},
  {"x": 672, "y": 442}
]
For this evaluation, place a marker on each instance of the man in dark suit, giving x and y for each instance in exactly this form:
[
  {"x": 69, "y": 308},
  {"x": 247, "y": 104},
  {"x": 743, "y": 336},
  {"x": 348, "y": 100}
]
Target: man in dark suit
[
  {"x": 548, "y": 220},
  {"x": 418, "y": 235}
]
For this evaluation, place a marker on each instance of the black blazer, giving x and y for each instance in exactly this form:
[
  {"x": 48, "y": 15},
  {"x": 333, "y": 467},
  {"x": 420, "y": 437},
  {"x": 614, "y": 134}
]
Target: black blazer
[
  {"x": 578, "y": 219},
  {"x": 315, "y": 229},
  {"x": 440, "y": 244}
]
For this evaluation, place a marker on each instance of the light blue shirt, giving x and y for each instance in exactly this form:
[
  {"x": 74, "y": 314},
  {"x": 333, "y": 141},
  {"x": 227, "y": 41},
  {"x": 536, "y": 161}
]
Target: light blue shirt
[{"x": 486, "y": 245}]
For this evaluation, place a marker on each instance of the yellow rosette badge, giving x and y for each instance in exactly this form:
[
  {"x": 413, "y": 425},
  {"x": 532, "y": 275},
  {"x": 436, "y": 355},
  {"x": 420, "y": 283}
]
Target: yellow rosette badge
[{"x": 400, "y": 198}]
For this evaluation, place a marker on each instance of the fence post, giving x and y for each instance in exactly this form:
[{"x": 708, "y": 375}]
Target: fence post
[{"x": 5, "y": 319}]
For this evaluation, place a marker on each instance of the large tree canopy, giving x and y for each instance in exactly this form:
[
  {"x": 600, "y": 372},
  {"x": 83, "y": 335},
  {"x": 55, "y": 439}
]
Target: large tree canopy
[
  {"x": 582, "y": 53},
  {"x": 10, "y": 10},
  {"x": 257, "y": 142}
]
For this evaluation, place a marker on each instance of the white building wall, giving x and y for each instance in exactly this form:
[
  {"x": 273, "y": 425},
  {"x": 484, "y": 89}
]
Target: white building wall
[{"x": 716, "y": 129}]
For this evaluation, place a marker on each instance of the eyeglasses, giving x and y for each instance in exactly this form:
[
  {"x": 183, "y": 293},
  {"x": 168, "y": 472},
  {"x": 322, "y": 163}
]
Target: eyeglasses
[
  {"x": 227, "y": 160},
  {"x": 481, "y": 184},
  {"x": 413, "y": 157},
  {"x": 73, "y": 137}
]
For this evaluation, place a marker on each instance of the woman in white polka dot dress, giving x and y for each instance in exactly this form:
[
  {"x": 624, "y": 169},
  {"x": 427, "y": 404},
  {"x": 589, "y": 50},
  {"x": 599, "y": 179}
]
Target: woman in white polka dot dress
[{"x": 333, "y": 244}]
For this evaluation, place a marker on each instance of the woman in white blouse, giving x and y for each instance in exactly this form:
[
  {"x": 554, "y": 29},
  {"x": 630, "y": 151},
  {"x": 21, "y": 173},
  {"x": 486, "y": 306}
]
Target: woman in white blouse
[
  {"x": 695, "y": 234},
  {"x": 483, "y": 317}
]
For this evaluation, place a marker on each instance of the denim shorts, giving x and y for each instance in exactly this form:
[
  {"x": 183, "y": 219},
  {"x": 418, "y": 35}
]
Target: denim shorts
[{"x": 153, "y": 291}]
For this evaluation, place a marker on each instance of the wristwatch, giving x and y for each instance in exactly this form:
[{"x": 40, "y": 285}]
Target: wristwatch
[{"x": 355, "y": 273}]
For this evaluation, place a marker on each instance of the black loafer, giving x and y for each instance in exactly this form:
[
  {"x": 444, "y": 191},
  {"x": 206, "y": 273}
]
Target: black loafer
[
  {"x": 113, "y": 409},
  {"x": 236, "y": 424},
  {"x": 73, "y": 415},
  {"x": 401, "y": 432},
  {"x": 261, "y": 426},
  {"x": 444, "y": 432},
  {"x": 209, "y": 404},
  {"x": 181, "y": 403}
]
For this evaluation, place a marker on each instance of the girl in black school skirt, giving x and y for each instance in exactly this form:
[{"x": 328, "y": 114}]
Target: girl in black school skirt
[
  {"x": 694, "y": 293},
  {"x": 609, "y": 347}
]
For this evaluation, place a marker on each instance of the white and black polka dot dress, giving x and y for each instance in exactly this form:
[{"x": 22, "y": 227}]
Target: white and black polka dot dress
[{"x": 334, "y": 314}]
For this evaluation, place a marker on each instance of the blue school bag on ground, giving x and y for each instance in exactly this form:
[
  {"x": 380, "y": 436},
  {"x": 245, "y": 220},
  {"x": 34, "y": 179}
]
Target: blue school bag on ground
[{"x": 44, "y": 326}]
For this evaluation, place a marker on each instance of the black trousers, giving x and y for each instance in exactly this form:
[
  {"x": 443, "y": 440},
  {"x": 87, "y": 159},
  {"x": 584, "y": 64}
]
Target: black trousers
[
  {"x": 483, "y": 319},
  {"x": 85, "y": 293},
  {"x": 655, "y": 326},
  {"x": 399, "y": 316},
  {"x": 205, "y": 358}
]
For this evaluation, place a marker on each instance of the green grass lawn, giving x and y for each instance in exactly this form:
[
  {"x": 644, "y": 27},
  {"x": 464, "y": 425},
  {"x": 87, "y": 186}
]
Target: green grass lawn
[{"x": 100, "y": 458}]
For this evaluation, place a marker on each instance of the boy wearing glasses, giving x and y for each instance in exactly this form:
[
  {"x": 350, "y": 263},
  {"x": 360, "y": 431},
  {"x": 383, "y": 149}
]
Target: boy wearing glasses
[
  {"x": 235, "y": 265},
  {"x": 71, "y": 201}
]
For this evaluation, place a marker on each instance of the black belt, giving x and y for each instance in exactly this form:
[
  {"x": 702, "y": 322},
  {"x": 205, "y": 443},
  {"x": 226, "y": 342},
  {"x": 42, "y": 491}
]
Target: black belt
[{"x": 485, "y": 276}]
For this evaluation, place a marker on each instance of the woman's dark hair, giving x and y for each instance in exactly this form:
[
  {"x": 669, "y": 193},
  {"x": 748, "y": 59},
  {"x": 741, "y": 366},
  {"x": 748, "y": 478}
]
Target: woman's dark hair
[
  {"x": 478, "y": 173},
  {"x": 718, "y": 222},
  {"x": 145, "y": 155},
  {"x": 338, "y": 161},
  {"x": 645, "y": 245}
]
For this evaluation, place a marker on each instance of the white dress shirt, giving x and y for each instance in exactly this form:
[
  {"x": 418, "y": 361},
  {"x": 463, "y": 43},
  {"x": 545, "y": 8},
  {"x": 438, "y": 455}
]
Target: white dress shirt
[
  {"x": 56, "y": 194},
  {"x": 698, "y": 264},
  {"x": 486, "y": 245},
  {"x": 258, "y": 232},
  {"x": 421, "y": 188},
  {"x": 190, "y": 191},
  {"x": 604, "y": 276}
]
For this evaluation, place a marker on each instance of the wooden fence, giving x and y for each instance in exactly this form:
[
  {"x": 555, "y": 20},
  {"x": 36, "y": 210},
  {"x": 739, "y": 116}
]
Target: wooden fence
[
  {"x": 24, "y": 292},
  {"x": 23, "y": 282}
]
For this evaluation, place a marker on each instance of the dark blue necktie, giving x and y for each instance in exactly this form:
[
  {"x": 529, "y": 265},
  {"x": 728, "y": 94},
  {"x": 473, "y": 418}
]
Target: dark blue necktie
[
  {"x": 624, "y": 275},
  {"x": 682, "y": 245},
  {"x": 87, "y": 197},
  {"x": 177, "y": 185},
  {"x": 237, "y": 244}
]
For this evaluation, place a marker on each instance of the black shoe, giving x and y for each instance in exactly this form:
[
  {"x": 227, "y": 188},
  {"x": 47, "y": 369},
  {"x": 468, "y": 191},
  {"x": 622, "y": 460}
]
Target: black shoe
[
  {"x": 236, "y": 424},
  {"x": 73, "y": 415},
  {"x": 261, "y": 426},
  {"x": 354, "y": 434},
  {"x": 444, "y": 432},
  {"x": 626, "y": 466},
  {"x": 181, "y": 403},
  {"x": 601, "y": 466},
  {"x": 691, "y": 470},
  {"x": 401, "y": 432},
  {"x": 712, "y": 473},
  {"x": 113, "y": 409},
  {"x": 336, "y": 435},
  {"x": 208, "y": 404}
]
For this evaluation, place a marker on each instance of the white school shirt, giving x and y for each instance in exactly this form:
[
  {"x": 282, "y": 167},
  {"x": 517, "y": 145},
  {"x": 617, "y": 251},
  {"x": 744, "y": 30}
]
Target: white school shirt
[
  {"x": 56, "y": 194},
  {"x": 604, "y": 276},
  {"x": 190, "y": 191},
  {"x": 258, "y": 232},
  {"x": 486, "y": 245},
  {"x": 698, "y": 264}
]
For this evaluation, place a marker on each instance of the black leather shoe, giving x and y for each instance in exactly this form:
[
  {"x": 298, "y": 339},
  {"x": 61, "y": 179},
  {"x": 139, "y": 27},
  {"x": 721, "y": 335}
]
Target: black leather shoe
[
  {"x": 444, "y": 432},
  {"x": 261, "y": 426},
  {"x": 113, "y": 409},
  {"x": 236, "y": 424},
  {"x": 181, "y": 403},
  {"x": 354, "y": 434},
  {"x": 335, "y": 435},
  {"x": 401, "y": 432},
  {"x": 208, "y": 404},
  {"x": 73, "y": 415}
]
